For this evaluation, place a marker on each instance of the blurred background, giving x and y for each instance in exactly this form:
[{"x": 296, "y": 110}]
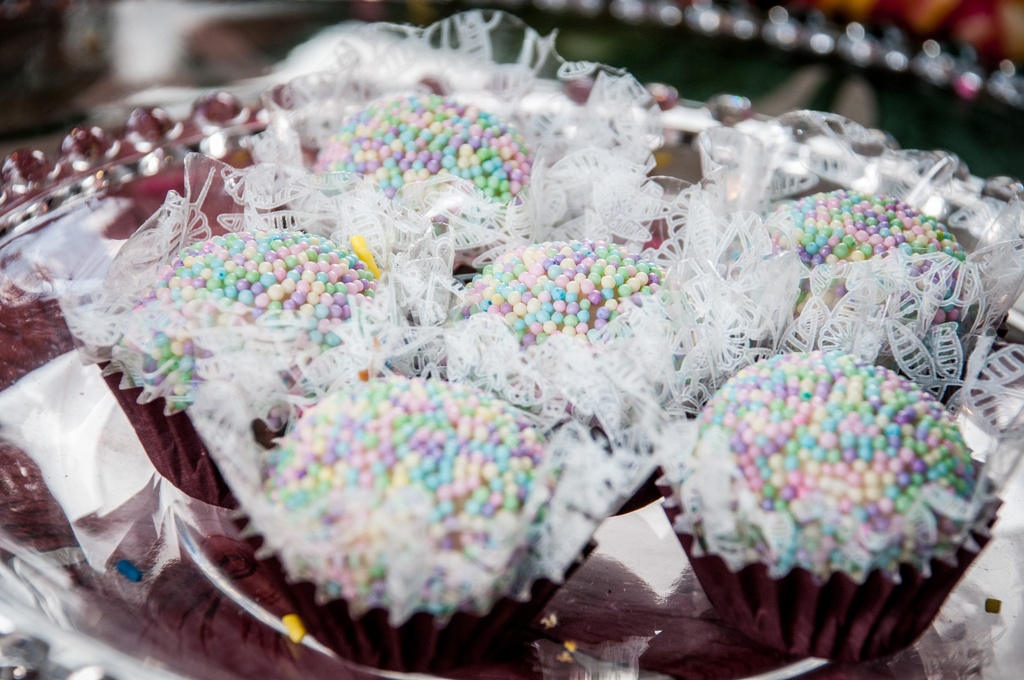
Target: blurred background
[{"x": 934, "y": 73}]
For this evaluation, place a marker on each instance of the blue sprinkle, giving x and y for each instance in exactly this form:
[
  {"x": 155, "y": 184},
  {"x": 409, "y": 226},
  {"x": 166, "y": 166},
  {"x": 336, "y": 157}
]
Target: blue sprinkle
[{"x": 129, "y": 571}]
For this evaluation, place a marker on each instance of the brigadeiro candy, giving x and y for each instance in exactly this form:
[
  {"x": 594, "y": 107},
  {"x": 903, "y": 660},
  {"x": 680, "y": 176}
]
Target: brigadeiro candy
[
  {"x": 828, "y": 505},
  {"x": 410, "y": 513},
  {"x": 572, "y": 288},
  {"x": 847, "y": 226},
  {"x": 408, "y": 139},
  {"x": 277, "y": 278}
]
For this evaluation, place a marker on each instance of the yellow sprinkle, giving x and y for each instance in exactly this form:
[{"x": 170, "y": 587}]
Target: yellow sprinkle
[
  {"x": 362, "y": 251},
  {"x": 570, "y": 645},
  {"x": 549, "y": 621},
  {"x": 296, "y": 629}
]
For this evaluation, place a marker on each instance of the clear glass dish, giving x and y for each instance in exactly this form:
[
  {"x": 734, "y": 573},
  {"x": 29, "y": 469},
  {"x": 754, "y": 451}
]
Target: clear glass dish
[{"x": 95, "y": 578}]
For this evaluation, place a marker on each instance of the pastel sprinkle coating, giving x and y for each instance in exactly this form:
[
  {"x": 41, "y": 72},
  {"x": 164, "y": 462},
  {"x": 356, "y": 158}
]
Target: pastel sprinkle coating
[
  {"x": 413, "y": 138},
  {"x": 243, "y": 276},
  {"x": 474, "y": 457},
  {"x": 570, "y": 288},
  {"x": 841, "y": 446},
  {"x": 848, "y": 226}
]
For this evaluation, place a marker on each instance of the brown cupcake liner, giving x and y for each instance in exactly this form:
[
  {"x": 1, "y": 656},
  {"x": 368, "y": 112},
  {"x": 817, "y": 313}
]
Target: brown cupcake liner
[
  {"x": 423, "y": 643},
  {"x": 173, "y": 446},
  {"x": 838, "y": 619}
]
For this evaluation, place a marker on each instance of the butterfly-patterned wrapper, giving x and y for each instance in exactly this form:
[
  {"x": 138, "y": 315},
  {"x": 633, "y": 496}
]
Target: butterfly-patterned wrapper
[
  {"x": 843, "y": 615},
  {"x": 588, "y": 129},
  {"x": 916, "y": 309},
  {"x": 129, "y": 321}
]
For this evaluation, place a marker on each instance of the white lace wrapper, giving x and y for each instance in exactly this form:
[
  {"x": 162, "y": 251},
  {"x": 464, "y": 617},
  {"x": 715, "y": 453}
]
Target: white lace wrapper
[
  {"x": 884, "y": 308},
  {"x": 728, "y": 295},
  {"x": 590, "y": 128},
  {"x": 110, "y": 325},
  {"x": 591, "y": 472},
  {"x": 399, "y": 533},
  {"x": 719, "y": 508}
]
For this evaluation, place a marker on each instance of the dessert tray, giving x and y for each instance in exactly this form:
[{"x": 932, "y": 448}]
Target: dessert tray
[{"x": 100, "y": 575}]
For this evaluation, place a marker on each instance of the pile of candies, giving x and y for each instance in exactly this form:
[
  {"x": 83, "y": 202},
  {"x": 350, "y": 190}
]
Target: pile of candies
[
  {"x": 846, "y": 226},
  {"x": 414, "y": 138},
  {"x": 239, "y": 277},
  {"x": 473, "y": 457},
  {"x": 571, "y": 288},
  {"x": 839, "y": 444}
]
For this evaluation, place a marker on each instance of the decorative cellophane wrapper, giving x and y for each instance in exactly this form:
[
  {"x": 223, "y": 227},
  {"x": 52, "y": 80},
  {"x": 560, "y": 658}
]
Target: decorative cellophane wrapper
[
  {"x": 719, "y": 509},
  {"x": 729, "y": 294},
  {"x": 111, "y": 324},
  {"x": 887, "y": 309},
  {"x": 590, "y": 128},
  {"x": 540, "y": 543},
  {"x": 871, "y": 609}
]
